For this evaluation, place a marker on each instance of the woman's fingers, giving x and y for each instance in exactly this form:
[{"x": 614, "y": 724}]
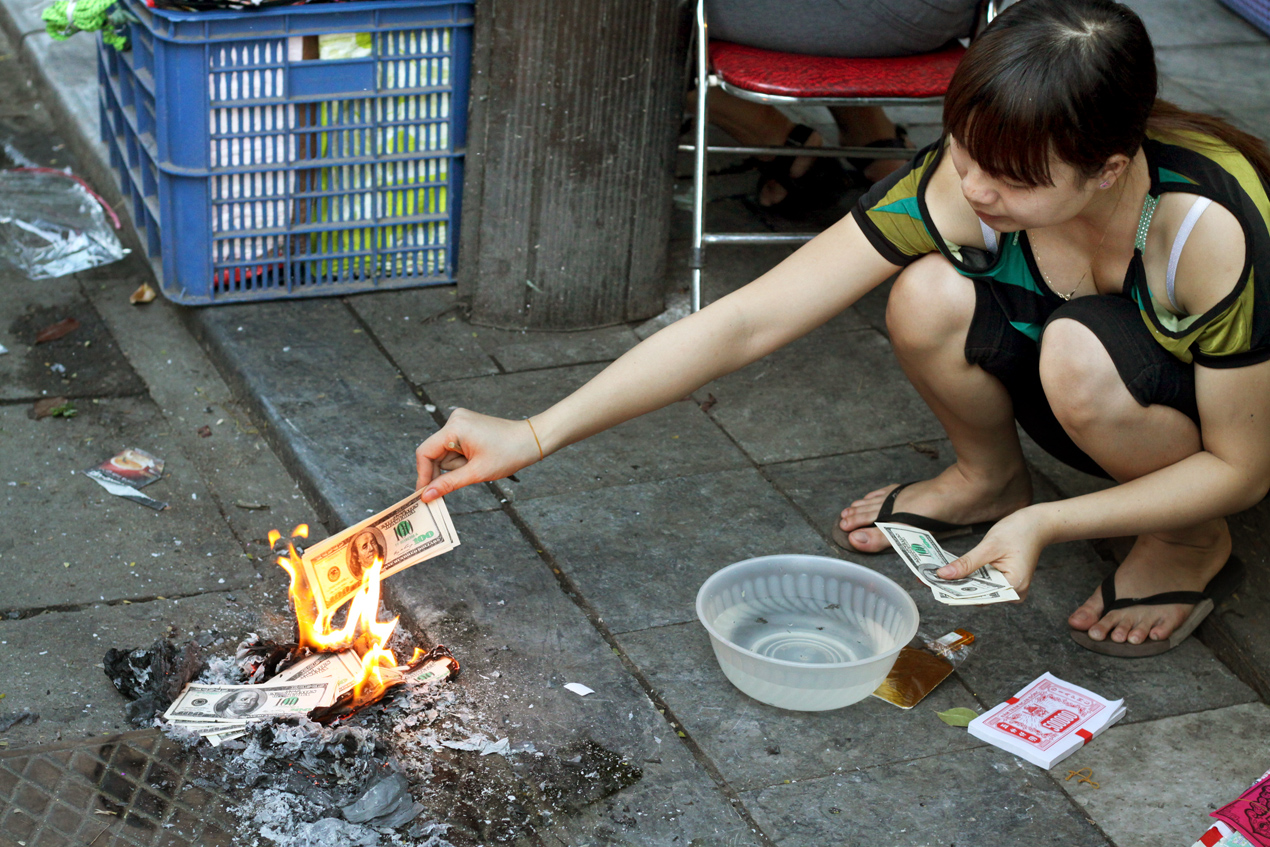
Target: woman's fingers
[{"x": 471, "y": 448}]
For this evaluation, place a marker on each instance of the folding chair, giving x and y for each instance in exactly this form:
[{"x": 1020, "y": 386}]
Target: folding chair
[{"x": 786, "y": 79}]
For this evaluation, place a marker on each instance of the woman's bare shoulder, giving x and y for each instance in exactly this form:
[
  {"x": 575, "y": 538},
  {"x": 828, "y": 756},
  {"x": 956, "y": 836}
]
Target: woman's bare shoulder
[
  {"x": 948, "y": 209},
  {"x": 1212, "y": 257}
]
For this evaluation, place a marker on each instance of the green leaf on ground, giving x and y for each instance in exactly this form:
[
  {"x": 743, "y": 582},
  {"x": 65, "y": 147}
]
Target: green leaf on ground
[{"x": 958, "y": 717}]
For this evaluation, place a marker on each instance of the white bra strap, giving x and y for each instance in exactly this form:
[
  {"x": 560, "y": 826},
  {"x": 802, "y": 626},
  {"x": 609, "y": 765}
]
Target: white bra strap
[
  {"x": 1183, "y": 233},
  {"x": 989, "y": 237}
]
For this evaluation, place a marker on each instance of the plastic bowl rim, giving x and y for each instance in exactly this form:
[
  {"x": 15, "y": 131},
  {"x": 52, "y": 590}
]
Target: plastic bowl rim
[{"x": 901, "y": 644}]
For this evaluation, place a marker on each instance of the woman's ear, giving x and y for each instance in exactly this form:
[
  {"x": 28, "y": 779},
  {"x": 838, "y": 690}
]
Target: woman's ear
[{"x": 1113, "y": 170}]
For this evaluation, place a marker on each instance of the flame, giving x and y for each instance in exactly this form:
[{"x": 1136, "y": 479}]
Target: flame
[{"x": 361, "y": 630}]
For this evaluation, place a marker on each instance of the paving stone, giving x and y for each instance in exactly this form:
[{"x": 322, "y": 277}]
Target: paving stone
[
  {"x": 51, "y": 664},
  {"x": 1174, "y": 23},
  {"x": 755, "y": 745},
  {"x": 640, "y": 552},
  {"x": 673, "y": 441},
  {"x": 1233, "y": 76},
  {"x": 426, "y": 334},
  {"x": 1239, "y": 629},
  {"x": 496, "y": 604},
  {"x": 1158, "y": 780},
  {"x": 833, "y": 391},
  {"x": 338, "y": 413},
  {"x": 1256, "y": 121},
  {"x": 964, "y": 799},
  {"x": 176, "y": 551},
  {"x": 91, "y": 363}
]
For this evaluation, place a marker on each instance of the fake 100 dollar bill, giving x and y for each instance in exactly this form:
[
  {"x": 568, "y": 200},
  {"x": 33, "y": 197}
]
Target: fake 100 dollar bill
[
  {"x": 923, "y": 555},
  {"x": 403, "y": 535}
]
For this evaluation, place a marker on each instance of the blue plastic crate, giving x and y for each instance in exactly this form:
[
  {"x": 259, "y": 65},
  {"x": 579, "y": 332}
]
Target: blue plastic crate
[
  {"x": 1256, "y": 12},
  {"x": 255, "y": 174}
]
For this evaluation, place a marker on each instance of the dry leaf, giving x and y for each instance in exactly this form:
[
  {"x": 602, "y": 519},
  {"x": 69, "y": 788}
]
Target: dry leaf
[
  {"x": 144, "y": 294},
  {"x": 204, "y": 432},
  {"x": 52, "y": 332}
]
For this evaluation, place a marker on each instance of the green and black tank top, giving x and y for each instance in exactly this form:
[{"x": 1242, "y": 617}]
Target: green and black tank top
[{"x": 1235, "y": 332}]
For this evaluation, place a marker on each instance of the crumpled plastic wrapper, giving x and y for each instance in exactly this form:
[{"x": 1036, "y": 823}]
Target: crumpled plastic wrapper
[{"x": 52, "y": 225}]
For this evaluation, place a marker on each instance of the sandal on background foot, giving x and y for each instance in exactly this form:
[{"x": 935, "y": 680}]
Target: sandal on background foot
[
  {"x": 937, "y": 528},
  {"x": 820, "y": 187},
  {"x": 899, "y": 142},
  {"x": 1221, "y": 586}
]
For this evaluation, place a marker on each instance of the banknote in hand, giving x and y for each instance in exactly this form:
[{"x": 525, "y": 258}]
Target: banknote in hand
[{"x": 923, "y": 555}]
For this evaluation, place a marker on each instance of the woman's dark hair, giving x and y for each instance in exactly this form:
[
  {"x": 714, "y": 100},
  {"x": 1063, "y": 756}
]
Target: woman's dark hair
[{"x": 1072, "y": 78}]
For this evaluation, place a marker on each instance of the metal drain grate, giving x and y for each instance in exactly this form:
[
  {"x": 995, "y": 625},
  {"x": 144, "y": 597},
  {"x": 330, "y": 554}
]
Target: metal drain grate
[{"x": 134, "y": 789}]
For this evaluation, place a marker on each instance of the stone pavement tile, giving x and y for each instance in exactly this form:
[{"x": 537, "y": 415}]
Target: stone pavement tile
[
  {"x": 974, "y": 798},
  {"x": 83, "y": 538},
  {"x": 51, "y": 663},
  {"x": 833, "y": 391},
  {"x": 677, "y": 440},
  {"x": 822, "y": 488},
  {"x": 1239, "y": 630},
  {"x": 336, "y": 411},
  {"x": 755, "y": 745},
  {"x": 1158, "y": 780},
  {"x": 1179, "y": 23},
  {"x": 426, "y": 335},
  {"x": 496, "y": 604},
  {"x": 92, "y": 363},
  {"x": 638, "y": 553},
  {"x": 1235, "y": 78},
  {"x": 233, "y": 459}
]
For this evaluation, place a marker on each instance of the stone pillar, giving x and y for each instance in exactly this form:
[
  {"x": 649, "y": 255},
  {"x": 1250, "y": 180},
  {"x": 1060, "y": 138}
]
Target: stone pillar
[{"x": 569, "y": 169}]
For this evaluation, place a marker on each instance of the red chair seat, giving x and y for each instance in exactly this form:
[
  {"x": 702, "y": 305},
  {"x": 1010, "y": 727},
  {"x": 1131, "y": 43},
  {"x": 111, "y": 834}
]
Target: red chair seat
[{"x": 795, "y": 75}]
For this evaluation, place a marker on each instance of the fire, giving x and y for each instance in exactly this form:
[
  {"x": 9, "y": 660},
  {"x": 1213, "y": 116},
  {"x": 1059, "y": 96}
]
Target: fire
[{"x": 361, "y": 630}]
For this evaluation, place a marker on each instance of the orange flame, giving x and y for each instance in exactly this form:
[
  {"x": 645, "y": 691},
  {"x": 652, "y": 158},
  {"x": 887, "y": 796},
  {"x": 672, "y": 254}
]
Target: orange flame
[{"x": 361, "y": 631}]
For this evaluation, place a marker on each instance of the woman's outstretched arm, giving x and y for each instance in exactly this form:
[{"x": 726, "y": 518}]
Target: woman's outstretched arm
[{"x": 821, "y": 279}]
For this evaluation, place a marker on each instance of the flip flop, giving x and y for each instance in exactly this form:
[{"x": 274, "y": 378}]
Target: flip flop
[
  {"x": 820, "y": 187},
  {"x": 937, "y": 528},
  {"x": 1221, "y": 586}
]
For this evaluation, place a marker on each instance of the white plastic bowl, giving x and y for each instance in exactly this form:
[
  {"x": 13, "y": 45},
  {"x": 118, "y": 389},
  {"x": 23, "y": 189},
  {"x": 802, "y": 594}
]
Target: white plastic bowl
[{"x": 807, "y": 633}]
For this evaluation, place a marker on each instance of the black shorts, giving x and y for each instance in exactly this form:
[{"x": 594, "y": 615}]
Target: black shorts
[{"x": 1151, "y": 373}]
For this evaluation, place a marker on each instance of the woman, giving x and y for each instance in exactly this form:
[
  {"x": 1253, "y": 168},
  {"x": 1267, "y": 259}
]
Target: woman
[{"x": 1059, "y": 263}]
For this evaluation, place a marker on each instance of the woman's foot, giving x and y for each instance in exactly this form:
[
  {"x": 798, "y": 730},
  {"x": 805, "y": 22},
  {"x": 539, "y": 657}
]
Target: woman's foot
[
  {"x": 1183, "y": 561},
  {"x": 771, "y": 192},
  {"x": 953, "y": 496}
]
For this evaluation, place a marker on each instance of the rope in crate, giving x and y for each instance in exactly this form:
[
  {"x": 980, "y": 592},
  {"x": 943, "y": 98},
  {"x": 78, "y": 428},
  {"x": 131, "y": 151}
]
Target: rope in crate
[{"x": 67, "y": 17}]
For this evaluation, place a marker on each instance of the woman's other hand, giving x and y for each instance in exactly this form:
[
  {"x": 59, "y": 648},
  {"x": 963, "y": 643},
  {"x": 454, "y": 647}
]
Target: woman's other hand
[
  {"x": 1013, "y": 546},
  {"x": 472, "y": 447}
]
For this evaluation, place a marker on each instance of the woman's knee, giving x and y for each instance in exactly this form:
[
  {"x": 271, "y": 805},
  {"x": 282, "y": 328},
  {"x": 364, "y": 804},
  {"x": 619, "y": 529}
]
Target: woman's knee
[
  {"x": 1078, "y": 375},
  {"x": 929, "y": 306}
]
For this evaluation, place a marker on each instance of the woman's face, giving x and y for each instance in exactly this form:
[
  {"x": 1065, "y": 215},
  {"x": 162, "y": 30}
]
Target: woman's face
[{"x": 1009, "y": 207}]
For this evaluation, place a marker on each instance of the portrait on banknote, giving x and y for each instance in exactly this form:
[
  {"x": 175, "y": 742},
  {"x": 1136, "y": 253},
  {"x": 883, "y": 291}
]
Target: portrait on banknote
[
  {"x": 238, "y": 704},
  {"x": 367, "y": 546}
]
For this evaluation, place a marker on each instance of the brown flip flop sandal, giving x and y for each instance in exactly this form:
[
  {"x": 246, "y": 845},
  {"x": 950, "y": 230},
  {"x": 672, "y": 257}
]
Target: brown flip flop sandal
[
  {"x": 1221, "y": 586},
  {"x": 937, "y": 528}
]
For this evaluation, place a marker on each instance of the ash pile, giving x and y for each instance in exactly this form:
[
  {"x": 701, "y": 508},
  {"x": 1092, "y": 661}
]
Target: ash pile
[{"x": 414, "y": 766}]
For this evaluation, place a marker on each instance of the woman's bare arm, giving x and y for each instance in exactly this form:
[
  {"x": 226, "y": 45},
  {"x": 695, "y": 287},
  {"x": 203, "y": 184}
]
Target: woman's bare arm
[{"x": 817, "y": 282}]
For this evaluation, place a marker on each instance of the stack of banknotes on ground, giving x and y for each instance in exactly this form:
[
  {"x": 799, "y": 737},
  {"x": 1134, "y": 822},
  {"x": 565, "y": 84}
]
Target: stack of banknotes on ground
[
  {"x": 221, "y": 713},
  {"x": 1047, "y": 721},
  {"x": 923, "y": 555}
]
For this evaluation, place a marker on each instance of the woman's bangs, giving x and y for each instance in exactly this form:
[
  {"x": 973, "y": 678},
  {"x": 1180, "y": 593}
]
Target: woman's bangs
[{"x": 1007, "y": 140}]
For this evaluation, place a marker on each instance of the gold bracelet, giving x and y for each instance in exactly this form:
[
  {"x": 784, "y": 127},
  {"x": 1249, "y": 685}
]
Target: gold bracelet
[{"x": 536, "y": 441}]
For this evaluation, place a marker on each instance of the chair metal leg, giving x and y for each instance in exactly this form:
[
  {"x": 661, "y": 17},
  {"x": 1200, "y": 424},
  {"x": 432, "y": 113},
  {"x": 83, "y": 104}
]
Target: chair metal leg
[{"x": 699, "y": 156}]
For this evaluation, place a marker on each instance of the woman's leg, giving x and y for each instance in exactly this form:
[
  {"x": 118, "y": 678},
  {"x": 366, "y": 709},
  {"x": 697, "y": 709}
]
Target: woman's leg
[
  {"x": 1090, "y": 399},
  {"x": 859, "y": 126},
  {"x": 929, "y": 315}
]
